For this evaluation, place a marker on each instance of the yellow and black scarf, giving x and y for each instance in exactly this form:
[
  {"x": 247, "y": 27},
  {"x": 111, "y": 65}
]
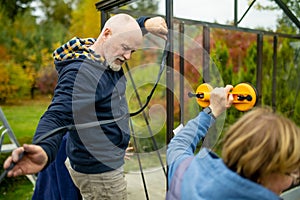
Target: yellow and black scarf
[{"x": 77, "y": 48}]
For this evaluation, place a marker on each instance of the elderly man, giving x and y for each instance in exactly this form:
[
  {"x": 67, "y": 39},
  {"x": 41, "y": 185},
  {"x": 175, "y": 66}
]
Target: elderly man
[{"x": 91, "y": 87}]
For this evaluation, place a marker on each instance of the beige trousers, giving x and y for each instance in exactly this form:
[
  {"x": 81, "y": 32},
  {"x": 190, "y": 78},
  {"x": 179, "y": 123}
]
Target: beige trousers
[{"x": 104, "y": 186}]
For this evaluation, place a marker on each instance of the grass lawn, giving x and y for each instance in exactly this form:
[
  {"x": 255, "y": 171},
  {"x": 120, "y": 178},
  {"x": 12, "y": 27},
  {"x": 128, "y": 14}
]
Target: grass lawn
[{"x": 23, "y": 117}]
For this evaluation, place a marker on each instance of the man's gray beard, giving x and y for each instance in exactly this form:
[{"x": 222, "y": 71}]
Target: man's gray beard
[{"x": 114, "y": 67}]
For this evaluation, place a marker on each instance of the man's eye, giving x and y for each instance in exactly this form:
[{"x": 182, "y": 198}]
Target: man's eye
[{"x": 125, "y": 48}]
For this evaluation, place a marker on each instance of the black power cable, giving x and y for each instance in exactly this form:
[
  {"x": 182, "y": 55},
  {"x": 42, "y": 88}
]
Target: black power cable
[{"x": 146, "y": 120}]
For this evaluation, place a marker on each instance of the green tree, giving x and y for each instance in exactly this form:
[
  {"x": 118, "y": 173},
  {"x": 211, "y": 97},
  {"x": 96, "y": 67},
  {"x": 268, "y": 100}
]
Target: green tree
[
  {"x": 220, "y": 56},
  {"x": 145, "y": 6},
  {"x": 14, "y": 7},
  {"x": 15, "y": 46},
  {"x": 13, "y": 81},
  {"x": 27, "y": 43},
  {"x": 284, "y": 23},
  {"x": 58, "y": 11},
  {"x": 85, "y": 20},
  {"x": 288, "y": 74}
]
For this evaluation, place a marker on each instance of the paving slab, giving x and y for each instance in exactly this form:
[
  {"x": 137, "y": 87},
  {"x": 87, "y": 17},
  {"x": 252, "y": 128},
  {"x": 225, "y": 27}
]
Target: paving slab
[{"x": 155, "y": 180}]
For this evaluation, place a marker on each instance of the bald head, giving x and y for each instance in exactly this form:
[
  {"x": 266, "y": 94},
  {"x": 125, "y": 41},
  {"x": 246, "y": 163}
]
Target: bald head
[{"x": 120, "y": 23}]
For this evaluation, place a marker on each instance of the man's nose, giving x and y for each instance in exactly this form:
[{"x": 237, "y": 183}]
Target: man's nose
[{"x": 127, "y": 55}]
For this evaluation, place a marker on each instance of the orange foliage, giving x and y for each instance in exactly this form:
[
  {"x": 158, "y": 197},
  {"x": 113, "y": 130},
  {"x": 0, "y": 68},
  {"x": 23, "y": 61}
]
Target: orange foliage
[{"x": 4, "y": 55}]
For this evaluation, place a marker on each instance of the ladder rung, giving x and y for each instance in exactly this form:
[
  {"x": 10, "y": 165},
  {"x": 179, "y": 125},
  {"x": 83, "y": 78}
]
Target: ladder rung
[{"x": 8, "y": 148}]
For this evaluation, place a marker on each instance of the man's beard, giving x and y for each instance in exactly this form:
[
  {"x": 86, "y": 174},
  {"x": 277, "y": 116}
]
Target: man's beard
[{"x": 113, "y": 66}]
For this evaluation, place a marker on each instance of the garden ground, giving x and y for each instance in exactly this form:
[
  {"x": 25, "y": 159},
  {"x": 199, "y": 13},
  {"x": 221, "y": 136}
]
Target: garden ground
[{"x": 155, "y": 184}]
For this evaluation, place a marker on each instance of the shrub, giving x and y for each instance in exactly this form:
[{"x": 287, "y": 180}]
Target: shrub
[
  {"x": 13, "y": 81},
  {"x": 46, "y": 80}
]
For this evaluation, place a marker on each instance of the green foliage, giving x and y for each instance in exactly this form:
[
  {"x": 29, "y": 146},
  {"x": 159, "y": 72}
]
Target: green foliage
[
  {"x": 85, "y": 21},
  {"x": 14, "y": 7},
  {"x": 288, "y": 73},
  {"x": 24, "y": 42},
  {"x": 145, "y": 6},
  {"x": 5, "y": 24},
  {"x": 4, "y": 84},
  {"x": 58, "y": 11},
  {"x": 248, "y": 73},
  {"x": 13, "y": 81},
  {"x": 49, "y": 36},
  {"x": 220, "y": 57}
]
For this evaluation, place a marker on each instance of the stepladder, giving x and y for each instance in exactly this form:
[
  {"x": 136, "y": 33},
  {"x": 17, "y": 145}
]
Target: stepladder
[{"x": 7, "y": 146}]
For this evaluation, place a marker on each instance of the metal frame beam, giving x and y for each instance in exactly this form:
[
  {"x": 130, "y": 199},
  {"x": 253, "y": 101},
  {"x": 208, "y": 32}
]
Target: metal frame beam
[
  {"x": 170, "y": 73},
  {"x": 288, "y": 12},
  {"x": 106, "y": 5},
  {"x": 259, "y": 63}
]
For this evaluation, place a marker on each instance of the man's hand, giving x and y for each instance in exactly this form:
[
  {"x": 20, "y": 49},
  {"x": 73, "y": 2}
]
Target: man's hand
[
  {"x": 157, "y": 26},
  {"x": 33, "y": 160},
  {"x": 128, "y": 153},
  {"x": 220, "y": 100}
]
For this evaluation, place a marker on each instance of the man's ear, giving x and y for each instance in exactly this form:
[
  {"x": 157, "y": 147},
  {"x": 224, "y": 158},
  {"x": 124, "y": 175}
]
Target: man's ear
[{"x": 107, "y": 33}]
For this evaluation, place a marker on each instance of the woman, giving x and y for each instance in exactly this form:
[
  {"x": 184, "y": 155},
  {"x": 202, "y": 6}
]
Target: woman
[{"x": 260, "y": 156}]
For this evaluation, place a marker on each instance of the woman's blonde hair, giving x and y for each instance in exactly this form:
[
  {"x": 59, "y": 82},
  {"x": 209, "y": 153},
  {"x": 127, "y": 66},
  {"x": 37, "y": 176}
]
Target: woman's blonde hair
[{"x": 260, "y": 143}]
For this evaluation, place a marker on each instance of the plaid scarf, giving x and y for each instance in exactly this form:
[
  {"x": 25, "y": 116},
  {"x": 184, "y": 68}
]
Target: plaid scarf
[{"x": 77, "y": 48}]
